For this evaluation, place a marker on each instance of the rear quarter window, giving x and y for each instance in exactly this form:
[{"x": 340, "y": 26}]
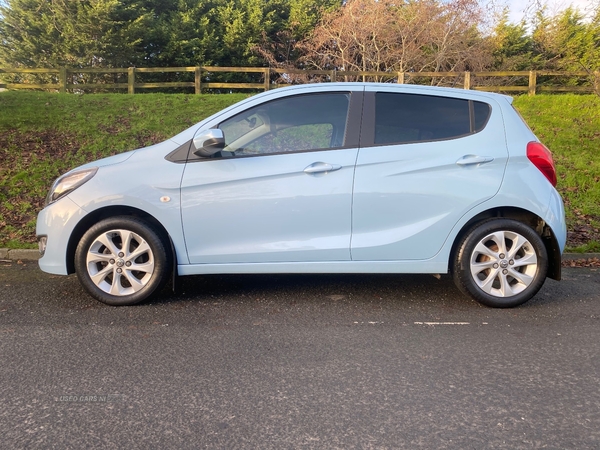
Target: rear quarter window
[{"x": 482, "y": 113}]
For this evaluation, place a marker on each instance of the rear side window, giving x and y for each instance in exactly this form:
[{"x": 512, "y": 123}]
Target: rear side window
[{"x": 404, "y": 118}]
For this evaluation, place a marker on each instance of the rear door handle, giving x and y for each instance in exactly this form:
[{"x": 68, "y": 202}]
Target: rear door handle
[
  {"x": 469, "y": 160},
  {"x": 321, "y": 167}
]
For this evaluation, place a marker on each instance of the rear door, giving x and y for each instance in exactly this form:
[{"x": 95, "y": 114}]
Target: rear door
[{"x": 424, "y": 161}]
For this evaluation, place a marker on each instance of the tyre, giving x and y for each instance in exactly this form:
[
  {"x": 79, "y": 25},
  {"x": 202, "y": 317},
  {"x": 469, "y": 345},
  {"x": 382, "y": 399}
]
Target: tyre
[
  {"x": 500, "y": 263},
  {"x": 122, "y": 261}
]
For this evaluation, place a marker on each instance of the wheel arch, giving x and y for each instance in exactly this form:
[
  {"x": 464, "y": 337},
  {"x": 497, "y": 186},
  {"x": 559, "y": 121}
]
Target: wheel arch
[
  {"x": 524, "y": 216},
  {"x": 112, "y": 211}
]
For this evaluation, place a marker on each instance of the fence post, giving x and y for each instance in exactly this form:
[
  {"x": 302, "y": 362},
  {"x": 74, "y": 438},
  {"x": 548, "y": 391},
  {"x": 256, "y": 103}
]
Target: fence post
[
  {"x": 267, "y": 78},
  {"x": 532, "y": 82},
  {"x": 467, "y": 80},
  {"x": 198, "y": 80},
  {"x": 400, "y": 77},
  {"x": 62, "y": 80},
  {"x": 333, "y": 76},
  {"x": 131, "y": 80}
]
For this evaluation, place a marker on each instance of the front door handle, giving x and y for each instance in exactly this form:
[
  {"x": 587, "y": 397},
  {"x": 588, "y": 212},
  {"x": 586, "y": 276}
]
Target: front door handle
[
  {"x": 469, "y": 160},
  {"x": 321, "y": 167}
]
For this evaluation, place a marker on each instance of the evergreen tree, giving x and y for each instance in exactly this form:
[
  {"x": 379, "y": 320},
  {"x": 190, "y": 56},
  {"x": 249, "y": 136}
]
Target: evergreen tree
[{"x": 512, "y": 46}]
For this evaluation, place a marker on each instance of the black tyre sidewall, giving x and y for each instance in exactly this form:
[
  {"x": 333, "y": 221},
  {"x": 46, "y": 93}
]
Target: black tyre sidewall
[
  {"x": 162, "y": 261},
  {"x": 461, "y": 269}
]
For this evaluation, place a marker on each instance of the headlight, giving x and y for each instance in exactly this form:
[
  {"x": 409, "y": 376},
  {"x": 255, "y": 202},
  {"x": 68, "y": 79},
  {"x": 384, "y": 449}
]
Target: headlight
[{"x": 68, "y": 183}]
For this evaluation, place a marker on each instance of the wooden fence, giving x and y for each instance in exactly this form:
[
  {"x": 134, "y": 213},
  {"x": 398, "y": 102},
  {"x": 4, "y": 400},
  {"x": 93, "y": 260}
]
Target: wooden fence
[{"x": 73, "y": 80}]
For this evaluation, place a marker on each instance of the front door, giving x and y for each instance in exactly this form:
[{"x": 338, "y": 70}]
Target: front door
[{"x": 280, "y": 191}]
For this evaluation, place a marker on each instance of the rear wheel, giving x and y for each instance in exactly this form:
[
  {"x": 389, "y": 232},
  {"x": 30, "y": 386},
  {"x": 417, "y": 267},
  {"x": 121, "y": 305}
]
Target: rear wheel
[
  {"x": 122, "y": 261},
  {"x": 500, "y": 263}
]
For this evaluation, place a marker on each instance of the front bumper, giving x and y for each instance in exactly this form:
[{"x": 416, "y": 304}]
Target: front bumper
[{"x": 56, "y": 223}]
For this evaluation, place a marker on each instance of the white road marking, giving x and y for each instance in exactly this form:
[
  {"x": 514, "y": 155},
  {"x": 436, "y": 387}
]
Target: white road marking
[{"x": 442, "y": 323}]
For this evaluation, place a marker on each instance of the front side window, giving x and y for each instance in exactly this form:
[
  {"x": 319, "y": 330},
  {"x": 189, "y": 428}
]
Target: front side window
[
  {"x": 291, "y": 124},
  {"x": 405, "y": 118}
]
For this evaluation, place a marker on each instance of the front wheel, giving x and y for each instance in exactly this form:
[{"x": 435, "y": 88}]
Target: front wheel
[
  {"x": 500, "y": 263},
  {"x": 122, "y": 261}
]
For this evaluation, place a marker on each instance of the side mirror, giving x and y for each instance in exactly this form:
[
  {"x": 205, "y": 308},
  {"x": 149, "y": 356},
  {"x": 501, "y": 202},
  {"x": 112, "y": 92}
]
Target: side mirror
[{"x": 209, "y": 142}]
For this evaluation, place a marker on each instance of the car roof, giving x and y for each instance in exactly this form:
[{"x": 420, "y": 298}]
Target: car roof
[{"x": 412, "y": 88}]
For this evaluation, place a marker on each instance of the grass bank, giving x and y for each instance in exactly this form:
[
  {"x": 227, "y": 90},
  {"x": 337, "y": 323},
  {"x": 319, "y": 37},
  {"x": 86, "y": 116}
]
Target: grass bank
[
  {"x": 43, "y": 135},
  {"x": 569, "y": 125}
]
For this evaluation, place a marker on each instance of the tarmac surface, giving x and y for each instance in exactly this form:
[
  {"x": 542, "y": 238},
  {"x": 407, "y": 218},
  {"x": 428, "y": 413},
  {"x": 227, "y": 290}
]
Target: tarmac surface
[{"x": 298, "y": 361}]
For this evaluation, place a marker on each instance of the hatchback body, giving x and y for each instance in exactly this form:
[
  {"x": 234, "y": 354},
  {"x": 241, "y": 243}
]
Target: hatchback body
[{"x": 320, "y": 178}]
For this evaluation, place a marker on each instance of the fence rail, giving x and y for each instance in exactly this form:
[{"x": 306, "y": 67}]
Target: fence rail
[{"x": 68, "y": 79}]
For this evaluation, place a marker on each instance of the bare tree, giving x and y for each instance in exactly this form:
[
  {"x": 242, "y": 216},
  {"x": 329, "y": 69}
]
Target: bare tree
[{"x": 399, "y": 36}]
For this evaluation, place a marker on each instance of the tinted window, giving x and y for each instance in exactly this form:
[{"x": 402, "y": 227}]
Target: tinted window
[
  {"x": 482, "y": 114},
  {"x": 402, "y": 118},
  {"x": 305, "y": 122}
]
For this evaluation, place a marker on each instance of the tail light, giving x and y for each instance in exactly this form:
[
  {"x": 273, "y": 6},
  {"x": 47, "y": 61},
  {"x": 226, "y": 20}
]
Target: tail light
[{"x": 541, "y": 158}]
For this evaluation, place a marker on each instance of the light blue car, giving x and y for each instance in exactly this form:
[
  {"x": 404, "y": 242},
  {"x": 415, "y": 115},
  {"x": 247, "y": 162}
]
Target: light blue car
[{"x": 319, "y": 178}]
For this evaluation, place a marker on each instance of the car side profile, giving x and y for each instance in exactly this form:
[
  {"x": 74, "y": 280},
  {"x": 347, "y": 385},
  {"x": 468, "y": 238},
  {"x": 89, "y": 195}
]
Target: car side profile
[{"x": 319, "y": 178}]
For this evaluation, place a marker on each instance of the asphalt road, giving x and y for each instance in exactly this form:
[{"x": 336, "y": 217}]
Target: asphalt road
[{"x": 285, "y": 362}]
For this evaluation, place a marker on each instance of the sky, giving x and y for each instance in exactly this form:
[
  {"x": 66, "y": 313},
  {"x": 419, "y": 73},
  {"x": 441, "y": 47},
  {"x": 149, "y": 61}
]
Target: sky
[{"x": 518, "y": 8}]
